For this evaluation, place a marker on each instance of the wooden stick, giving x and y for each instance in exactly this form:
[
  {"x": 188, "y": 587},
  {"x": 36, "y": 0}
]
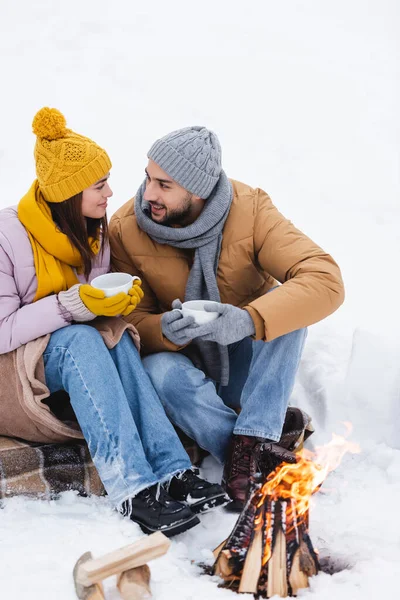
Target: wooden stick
[
  {"x": 123, "y": 559},
  {"x": 252, "y": 565},
  {"x": 297, "y": 578},
  {"x": 277, "y": 583},
  {"x": 92, "y": 592},
  {"x": 135, "y": 583}
]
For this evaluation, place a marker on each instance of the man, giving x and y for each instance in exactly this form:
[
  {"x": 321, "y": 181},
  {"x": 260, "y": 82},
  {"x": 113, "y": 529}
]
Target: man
[{"x": 191, "y": 233}]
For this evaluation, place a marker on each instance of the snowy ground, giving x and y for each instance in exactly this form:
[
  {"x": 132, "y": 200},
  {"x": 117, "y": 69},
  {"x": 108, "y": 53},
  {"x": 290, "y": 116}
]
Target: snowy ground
[{"x": 304, "y": 96}]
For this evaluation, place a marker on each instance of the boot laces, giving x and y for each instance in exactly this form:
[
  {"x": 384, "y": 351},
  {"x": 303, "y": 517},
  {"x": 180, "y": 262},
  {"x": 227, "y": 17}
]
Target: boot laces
[
  {"x": 155, "y": 495},
  {"x": 241, "y": 459},
  {"x": 190, "y": 478}
]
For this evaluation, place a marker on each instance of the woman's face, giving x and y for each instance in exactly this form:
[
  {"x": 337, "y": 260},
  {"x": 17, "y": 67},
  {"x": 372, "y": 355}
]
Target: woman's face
[{"x": 95, "y": 197}]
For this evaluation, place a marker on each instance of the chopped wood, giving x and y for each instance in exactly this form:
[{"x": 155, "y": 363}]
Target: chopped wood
[
  {"x": 269, "y": 551},
  {"x": 297, "y": 578},
  {"x": 277, "y": 583},
  {"x": 222, "y": 567},
  {"x": 91, "y": 592},
  {"x": 123, "y": 559},
  {"x": 252, "y": 565},
  {"x": 307, "y": 557},
  {"x": 231, "y": 558},
  {"x": 134, "y": 584},
  {"x": 243, "y": 530}
]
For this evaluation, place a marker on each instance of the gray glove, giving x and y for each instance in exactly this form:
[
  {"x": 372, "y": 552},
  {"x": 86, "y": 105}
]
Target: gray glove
[
  {"x": 177, "y": 328},
  {"x": 233, "y": 325}
]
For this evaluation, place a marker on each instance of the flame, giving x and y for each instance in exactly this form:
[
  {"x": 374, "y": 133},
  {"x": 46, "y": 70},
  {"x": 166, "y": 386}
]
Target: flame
[{"x": 300, "y": 480}]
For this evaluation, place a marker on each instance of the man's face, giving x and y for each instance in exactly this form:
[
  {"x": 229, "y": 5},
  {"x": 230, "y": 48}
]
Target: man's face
[{"x": 170, "y": 203}]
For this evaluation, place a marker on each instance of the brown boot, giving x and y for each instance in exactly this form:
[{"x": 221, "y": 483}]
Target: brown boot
[
  {"x": 237, "y": 470},
  {"x": 249, "y": 455}
]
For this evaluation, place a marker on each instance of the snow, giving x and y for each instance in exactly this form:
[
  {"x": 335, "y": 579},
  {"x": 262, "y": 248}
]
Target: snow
[{"x": 304, "y": 96}]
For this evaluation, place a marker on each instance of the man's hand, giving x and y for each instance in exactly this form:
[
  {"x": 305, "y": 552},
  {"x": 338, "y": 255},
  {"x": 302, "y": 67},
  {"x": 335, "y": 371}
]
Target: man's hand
[
  {"x": 233, "y": 325},
  {"x": 176, "y": 304},
  {"x": 177, "y": 328}
]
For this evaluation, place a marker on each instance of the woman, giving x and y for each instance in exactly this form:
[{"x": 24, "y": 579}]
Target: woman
[{"x": 51, "y": 246}]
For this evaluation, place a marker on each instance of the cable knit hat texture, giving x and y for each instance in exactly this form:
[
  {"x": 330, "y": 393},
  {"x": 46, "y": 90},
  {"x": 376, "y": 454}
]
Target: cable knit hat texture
[
  {"x": 66, "y": 162},
  {"x": 192, "y": 157}
]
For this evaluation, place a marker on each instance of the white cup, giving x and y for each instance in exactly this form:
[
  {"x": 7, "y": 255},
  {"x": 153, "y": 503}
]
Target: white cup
[
  {"x": 195, "y": 309},
  {"x": 113, "y": 283}
]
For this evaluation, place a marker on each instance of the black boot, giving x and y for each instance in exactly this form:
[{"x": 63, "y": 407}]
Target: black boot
[
  {"x": 154, "y": 510},
  {"x": 195, "y": 492}
]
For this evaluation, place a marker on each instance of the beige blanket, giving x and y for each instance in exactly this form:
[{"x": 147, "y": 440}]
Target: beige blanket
[{"x": 23, "y": 388}]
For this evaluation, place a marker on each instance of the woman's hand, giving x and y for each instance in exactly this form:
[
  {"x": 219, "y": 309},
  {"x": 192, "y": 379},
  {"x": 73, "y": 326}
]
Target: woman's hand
[
  {"x": 136, "y": 293},
  {"x": 85, "y": 302},
  {"x": 95, "y": 300}
]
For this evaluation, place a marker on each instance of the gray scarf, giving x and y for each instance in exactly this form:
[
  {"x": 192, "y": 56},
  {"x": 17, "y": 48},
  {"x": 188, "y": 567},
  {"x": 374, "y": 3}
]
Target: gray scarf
[{"x": 205, "y": 235}]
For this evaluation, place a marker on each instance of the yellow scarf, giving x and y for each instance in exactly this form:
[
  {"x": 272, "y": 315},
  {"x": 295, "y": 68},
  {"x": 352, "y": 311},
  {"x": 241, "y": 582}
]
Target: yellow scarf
[{"x": 55, "y": 257}]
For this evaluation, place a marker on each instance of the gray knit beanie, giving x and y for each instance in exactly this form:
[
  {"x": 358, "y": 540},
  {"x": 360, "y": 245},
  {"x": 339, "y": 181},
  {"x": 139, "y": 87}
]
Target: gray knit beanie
[{"x": 190, "y": 156}]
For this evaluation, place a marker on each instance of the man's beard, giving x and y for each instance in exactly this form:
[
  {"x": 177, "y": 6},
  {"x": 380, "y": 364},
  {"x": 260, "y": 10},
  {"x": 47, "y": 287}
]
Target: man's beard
[{"x": 179, "y": 216}]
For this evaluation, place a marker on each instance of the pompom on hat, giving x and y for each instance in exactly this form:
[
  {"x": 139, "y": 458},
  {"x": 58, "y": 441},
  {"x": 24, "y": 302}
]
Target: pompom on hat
[{"x": 66, "y": 162}]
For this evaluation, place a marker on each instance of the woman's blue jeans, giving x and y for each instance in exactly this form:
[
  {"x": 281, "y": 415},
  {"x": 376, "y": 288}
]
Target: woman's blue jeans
[
  {"x": 261, "y": 380},
  {"x": 132, "y": 443}
]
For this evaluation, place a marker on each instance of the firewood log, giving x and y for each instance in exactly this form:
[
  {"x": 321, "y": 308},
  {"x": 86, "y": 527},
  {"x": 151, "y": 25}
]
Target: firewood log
[
  {"x": 224, "y": 567},
  {"x": 252, "y": 565},
  {"x": 134, "y": 584},
  {"x": 269, "y": 551},
  {"x": 308, "y": 560},
  {"x": 123, "y": 559},
  {"x": 297, "y": 578},
  {"x": 91, "y": 592},
  {"x": 277, "y": 583}
]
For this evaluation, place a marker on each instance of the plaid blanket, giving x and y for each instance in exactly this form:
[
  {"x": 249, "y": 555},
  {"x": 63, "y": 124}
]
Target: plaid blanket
[{"x": 44, "y": 470}]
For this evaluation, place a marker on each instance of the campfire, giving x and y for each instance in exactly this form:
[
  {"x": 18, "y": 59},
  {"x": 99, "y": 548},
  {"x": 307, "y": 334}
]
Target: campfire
[{"x": 269, "y": 551}]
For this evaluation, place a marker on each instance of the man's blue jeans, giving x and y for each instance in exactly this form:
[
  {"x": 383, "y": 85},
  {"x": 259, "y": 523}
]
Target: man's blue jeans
[
  {"x": 132, "y": 442},
  {"x": 261, "y": 380}
]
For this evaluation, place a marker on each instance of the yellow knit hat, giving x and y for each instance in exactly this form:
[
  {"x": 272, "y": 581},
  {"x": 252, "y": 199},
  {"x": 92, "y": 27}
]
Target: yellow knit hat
[{"x": 66, "y": 162}]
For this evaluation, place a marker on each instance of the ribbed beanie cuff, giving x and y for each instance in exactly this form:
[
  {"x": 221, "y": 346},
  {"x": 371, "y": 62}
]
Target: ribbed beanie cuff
[{"x": 75, "y": 183}]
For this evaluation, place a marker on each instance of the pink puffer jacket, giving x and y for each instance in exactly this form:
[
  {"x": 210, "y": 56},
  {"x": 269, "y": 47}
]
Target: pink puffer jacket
[{"x": 21, "y": 320}]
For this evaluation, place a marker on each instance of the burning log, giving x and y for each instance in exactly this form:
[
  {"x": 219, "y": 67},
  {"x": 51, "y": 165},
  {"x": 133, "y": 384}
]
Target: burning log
[
  {"x": 269, "y": 551},
  {"x": 231, "y": 554}
]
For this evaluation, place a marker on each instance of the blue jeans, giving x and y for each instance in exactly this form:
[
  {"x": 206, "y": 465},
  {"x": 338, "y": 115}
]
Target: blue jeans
[
  {"x": 261, "y": 380},
  {"x": 131, "y": 441}
]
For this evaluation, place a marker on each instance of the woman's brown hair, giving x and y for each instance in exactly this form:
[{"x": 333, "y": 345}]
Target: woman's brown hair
[{"x": 68, "y": 217}]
